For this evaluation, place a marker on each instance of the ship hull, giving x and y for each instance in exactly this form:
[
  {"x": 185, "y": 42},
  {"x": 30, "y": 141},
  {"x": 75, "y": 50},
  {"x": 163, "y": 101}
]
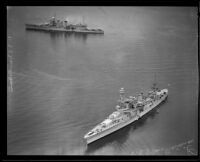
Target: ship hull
[
  {"x": 147, "y": 109},
  {"x": 54, "y": 29}
]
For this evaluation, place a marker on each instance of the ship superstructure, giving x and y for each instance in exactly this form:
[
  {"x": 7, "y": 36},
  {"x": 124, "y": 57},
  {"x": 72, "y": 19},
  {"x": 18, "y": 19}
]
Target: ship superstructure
[
  {"x": 128, "y": 110},
  {"x": 64, "y": 26}
]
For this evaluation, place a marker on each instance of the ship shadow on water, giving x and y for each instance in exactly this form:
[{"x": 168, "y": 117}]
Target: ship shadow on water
[
  {"x": 67, "y": 35},
  {"x": 121, "y": 135}
]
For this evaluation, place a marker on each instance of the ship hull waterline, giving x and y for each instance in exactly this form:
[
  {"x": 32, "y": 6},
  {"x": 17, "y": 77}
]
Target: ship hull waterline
[
  {"x": 119, "y": 126},
  {"x": 62, "y": 30}
]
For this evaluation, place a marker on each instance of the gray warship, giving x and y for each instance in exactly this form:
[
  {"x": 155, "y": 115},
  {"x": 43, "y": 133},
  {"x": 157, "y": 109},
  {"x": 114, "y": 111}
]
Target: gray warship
[
  {"x": 56, "y": 25},
  {"x": 128, "y": 110}
]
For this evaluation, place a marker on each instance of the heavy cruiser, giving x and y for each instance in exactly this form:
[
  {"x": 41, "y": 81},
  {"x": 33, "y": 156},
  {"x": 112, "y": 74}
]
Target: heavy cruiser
[
  {"x": 57, "y": 25},
  {"x": 128, "y": 110}
]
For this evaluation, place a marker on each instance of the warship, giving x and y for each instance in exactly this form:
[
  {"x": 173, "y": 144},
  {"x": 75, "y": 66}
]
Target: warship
[
  {"x": 128, "y": 110},
  {"x": 56, "y": 25}
]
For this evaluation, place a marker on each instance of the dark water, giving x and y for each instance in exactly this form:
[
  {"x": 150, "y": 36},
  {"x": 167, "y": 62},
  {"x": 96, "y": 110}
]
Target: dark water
[{"x": 62, "y": 85}]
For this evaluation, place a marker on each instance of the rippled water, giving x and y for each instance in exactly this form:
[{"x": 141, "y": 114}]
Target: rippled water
[{"x": 62, "y": 85}]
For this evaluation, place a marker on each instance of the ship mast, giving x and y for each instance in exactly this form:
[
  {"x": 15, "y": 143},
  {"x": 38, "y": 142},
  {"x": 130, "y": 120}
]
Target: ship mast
[
  {"x": 122, "y": 95},
  {"x": 83, "y": 20},
  {"x": 155, "y": 83}
]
